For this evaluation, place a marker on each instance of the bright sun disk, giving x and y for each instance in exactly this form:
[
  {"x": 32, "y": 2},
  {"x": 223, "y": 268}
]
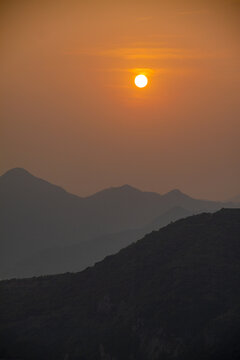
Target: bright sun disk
[{"x": 141, "y": 81}]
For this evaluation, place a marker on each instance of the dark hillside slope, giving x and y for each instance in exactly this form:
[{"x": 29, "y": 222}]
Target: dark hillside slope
[{"x": 173, "y": 295}]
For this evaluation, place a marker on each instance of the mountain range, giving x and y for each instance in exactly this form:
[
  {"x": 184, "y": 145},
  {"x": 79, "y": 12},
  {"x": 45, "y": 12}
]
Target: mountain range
[
  {"x": 45, "y": 229},
  {"x": 172, "y": 295}
]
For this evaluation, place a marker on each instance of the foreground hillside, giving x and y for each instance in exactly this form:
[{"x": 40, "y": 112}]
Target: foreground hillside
[{"x": 173, "y": 295}]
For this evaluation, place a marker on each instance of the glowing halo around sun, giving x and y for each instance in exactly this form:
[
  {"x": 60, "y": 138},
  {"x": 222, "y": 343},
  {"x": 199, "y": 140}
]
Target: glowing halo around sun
[{"x": 141, "y": 81}]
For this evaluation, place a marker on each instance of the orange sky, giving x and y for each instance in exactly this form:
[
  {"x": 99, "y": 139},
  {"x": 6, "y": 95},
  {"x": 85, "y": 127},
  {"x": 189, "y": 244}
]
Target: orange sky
[{"x": 72, "y": 115}]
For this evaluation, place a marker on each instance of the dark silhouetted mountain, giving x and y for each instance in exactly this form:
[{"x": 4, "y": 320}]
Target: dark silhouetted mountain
[
  {"x": 77, "y": 257},
  {"x": 36, "y": 215},
  {"x": 172, "y": 295}
]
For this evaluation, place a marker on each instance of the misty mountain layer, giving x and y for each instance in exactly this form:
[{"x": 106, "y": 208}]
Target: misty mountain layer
[{"x": 45, "y": 230}]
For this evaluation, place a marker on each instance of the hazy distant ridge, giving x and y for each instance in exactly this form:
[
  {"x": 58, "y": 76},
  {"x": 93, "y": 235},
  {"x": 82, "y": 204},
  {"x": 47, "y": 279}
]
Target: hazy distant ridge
[{"x": 40, "y": 220}]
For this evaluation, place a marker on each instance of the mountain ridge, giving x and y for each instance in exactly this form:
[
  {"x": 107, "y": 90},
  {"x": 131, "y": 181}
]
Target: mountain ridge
[
  {"x": 36, "y": 215},
  {"x": 172, "y": 295},
  {"x": 23, "y": 173}
]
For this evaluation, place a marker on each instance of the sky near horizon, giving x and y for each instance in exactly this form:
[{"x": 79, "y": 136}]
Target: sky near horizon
[{"x": 71, "y": 114}]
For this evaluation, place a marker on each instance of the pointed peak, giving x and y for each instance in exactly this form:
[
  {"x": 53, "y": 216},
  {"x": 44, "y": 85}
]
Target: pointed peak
[
  {"x": 175, "y": 192},
  {"x": 123, "y": 189},
  {"x": 16, "y": 172},
  {"x": 19, "y": 178},
  {"x": 117, "y": 191},
  {"x": 127, "y": 187}
]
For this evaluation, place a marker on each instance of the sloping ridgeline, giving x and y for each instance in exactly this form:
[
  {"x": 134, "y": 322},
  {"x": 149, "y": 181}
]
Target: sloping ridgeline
[
  {"x": 39, "y": 222},
  {"x": 174, "y": 294}
]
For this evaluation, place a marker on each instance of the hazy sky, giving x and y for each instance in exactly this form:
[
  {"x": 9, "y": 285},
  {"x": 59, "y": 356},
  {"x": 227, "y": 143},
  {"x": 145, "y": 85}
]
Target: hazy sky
[{"x": 70, "y": 112}]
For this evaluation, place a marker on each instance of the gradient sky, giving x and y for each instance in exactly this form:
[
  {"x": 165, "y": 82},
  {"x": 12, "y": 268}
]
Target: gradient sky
[{"x": 70, "y": 112}]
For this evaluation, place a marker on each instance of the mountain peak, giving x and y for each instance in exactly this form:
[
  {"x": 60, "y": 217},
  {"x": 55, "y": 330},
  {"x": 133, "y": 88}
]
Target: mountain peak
[
  {"x": 175, "y": 193},
  {"x": 16, "y": 172},
  {"x": 127, "y": 187},
  {"x": 19, "y": 178},
  {"x": 116, "y": 190}
]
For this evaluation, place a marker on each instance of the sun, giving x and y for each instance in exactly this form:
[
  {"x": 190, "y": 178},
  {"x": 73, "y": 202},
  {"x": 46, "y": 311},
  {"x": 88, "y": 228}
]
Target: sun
[{"x": 141, "y": 81}]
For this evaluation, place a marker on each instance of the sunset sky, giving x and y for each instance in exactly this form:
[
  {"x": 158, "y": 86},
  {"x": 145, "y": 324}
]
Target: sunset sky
[{"x": 71, "y": 114}]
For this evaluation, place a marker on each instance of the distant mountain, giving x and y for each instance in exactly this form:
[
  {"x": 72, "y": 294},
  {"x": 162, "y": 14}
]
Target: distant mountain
[
  {"x": 76, "y": 257},
  {"x": 235, "y": 199},
  {"x": 36, "y": 215},
  {"x": 166, "y": 218},
  {"x": 172, "y": 295}
]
